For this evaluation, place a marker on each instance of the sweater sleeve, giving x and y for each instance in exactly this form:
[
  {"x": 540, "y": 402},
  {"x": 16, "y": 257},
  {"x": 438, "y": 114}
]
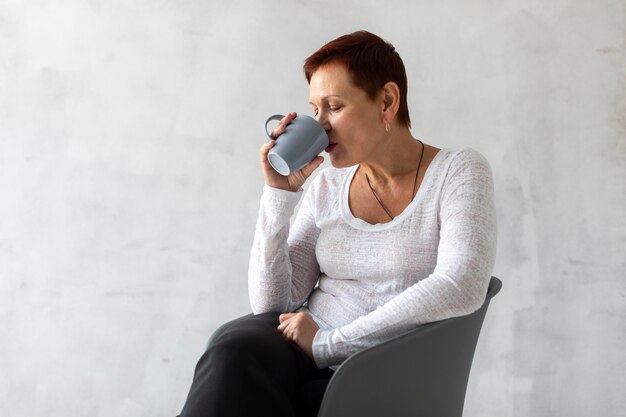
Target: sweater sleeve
[
  {"x": 458, "y": 283},
  {"x": 283, "y": 269}
]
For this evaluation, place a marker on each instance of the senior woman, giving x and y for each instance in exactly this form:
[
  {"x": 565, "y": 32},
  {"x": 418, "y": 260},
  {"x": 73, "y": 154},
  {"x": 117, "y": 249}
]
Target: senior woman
[{"x": 395, "y": 234}]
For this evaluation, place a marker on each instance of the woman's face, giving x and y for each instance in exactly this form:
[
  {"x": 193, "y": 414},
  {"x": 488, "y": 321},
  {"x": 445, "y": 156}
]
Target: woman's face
[{"x": 352, "y": 120}]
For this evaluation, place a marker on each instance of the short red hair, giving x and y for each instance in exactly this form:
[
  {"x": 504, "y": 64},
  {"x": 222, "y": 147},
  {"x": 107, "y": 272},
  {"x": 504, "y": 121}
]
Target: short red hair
[{"x": 371, "y": 62}]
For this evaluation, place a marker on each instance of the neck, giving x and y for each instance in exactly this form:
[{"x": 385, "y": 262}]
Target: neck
[{"x": 394, "y": 157}]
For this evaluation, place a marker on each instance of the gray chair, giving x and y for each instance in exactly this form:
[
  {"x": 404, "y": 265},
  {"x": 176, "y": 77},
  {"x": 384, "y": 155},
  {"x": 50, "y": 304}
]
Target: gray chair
[{"x": 421, "y": 373}]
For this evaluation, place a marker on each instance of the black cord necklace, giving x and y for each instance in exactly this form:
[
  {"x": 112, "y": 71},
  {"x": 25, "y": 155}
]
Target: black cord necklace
[{"x": 414, "y": 183}]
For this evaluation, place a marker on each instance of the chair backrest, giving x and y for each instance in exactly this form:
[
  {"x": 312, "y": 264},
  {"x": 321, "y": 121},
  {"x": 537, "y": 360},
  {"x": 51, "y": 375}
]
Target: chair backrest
[{"x": 421, "y": 373}]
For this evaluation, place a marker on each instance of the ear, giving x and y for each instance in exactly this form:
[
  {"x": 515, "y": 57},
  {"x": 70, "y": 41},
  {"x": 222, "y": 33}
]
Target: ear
[{"x": 390, "y": 101}]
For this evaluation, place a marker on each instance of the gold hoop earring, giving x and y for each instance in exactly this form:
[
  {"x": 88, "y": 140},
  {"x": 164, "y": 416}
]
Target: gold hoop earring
[{"x": 387, "y": 127}]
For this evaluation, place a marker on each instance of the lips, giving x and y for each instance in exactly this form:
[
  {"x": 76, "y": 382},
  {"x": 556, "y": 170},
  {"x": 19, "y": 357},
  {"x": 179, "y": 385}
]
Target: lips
[{"x": 330, "y": 147}]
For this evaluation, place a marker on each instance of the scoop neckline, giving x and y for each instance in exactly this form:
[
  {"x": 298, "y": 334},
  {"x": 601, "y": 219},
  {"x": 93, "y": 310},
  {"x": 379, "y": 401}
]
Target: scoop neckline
[{"x": 361, "y": 224}]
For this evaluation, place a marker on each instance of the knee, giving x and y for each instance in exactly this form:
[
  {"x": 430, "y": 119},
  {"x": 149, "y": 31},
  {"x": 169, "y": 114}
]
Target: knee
[
  {"x": 225, "y": 328},
  {"x": 247, "y": 337}
]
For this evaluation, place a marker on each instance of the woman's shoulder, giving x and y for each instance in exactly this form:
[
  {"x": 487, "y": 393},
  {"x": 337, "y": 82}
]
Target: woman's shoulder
[
  {"x": 462, "y": 159},
  {"x": 462, "y": 155},
  {"x": 464, "y": 167}
]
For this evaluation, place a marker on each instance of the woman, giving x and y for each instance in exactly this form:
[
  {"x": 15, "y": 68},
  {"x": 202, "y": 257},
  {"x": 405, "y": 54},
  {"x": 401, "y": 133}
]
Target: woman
[{"x": 397, "y": 233}]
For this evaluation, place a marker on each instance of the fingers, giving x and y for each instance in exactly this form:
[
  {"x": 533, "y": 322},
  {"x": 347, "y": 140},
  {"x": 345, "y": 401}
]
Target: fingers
[
  {"x": 288, "y": 323},
  {"x": 285, "y": 316},
  {"x": 298, "y": 178},
  {"x": 272, "y": 178},
  {"x": 265, "y": 149},
  {"x": 312, "y": 166},
  {"x": 282, "y": 327},
  {"x": 282, "y": 125},
  {"x": 300, "y": 329},
  {"x": 292, "y": 323}
]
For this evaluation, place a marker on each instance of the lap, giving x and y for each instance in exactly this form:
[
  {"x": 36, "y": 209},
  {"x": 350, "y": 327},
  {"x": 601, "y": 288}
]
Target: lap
[
  {"x": 257, "y": 336},
  {"x": 247, "y": 358}
]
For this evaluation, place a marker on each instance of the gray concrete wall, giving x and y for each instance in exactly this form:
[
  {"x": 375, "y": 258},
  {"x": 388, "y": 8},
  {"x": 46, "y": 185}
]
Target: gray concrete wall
[{"x": 129, "y": 186}]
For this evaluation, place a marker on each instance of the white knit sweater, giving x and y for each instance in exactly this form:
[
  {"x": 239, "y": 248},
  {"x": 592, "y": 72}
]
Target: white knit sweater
[{"x": 363, "y": 283}]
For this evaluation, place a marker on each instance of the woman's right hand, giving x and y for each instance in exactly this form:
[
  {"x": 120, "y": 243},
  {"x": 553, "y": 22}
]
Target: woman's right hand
[{"x": 294, "y": 181}]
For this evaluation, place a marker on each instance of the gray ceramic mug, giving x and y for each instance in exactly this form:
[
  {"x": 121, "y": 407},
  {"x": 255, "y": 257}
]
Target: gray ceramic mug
[{"x": 301, "y": 142}]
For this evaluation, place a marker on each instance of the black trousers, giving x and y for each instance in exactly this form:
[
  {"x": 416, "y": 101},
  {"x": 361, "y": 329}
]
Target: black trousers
[{"x": 248, "y": 369}]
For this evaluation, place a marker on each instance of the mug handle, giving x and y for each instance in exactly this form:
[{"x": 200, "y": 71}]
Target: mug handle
[{"x": 277, "y": 117}]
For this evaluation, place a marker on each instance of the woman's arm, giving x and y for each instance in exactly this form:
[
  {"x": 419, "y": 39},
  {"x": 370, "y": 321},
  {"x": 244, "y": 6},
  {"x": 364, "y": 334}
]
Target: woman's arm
[
  {"x": 283, "y": 268},
  {"x": 458, "y": 284}
]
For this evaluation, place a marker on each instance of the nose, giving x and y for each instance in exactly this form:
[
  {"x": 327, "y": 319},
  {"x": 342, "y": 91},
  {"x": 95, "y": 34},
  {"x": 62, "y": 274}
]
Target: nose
[{"x": 322, "y": 119}]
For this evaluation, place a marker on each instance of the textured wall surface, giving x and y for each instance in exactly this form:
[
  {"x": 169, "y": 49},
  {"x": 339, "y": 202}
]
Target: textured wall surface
[{"x": 129, "y": 186}]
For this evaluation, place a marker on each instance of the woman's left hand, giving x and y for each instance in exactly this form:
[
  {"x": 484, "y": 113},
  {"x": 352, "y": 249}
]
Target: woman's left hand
[{"x": 299, "y": 328}]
